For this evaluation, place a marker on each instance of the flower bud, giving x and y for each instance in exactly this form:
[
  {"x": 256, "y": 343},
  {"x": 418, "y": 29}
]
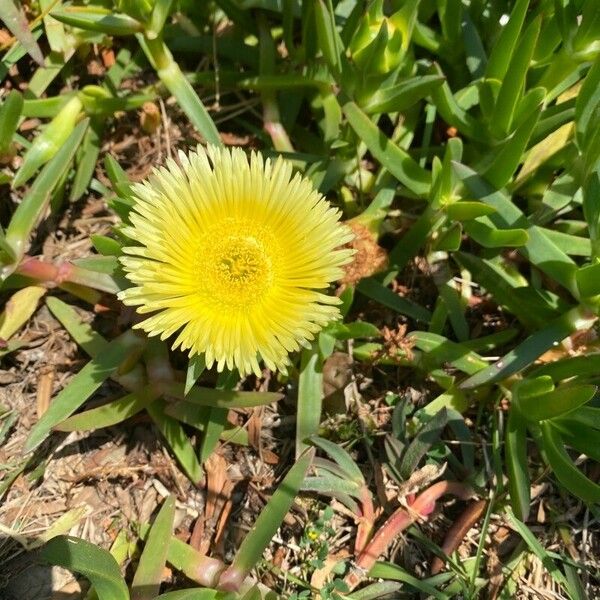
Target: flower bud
[{"x": 377, "y": 45}]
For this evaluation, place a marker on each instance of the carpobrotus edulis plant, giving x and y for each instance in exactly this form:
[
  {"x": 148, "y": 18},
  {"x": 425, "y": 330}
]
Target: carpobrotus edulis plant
[{"x": 235, "y": 254}]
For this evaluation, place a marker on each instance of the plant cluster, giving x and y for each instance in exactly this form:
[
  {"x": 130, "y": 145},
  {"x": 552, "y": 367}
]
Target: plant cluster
[{"x": 443, "y": 221}]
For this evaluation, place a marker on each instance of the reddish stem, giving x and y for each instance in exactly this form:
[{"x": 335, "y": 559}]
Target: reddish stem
[
  {"x": 46, "y": 272},
  {"x": 231, "y": 579},
  {"x": 457, "y": 532},
  {"x": 206, "y": 571},
  {"x": 366, "y": 522},
  {"x": 423, "y": 505}
]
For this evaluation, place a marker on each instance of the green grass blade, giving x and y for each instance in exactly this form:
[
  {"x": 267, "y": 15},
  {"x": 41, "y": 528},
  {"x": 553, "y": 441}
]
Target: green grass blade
[
  {"x": 214, "y": 427},
  {"x": 148, "y": 575},
  {"x": 89, "y": 340},
  {"x": 217, "y": 398},
  {"x": 535, "y": 546},
  {"x": 170, "y": 74},
  {"x": 36, "y": 200},
  {"x": 330, "y": 485},
  {"x": 10, "y": 113},
  {"x": 111, "y": 413},
  {"x": 196, "y": 366},
  {"x": 374, "y": 289},
  {"x": 383, "y": 589},
  {"x": 389, "y": 571},
  {"x": 176, "y": 439},
  {"x": 55, "y": 32},
  {"x": 196, "y": 416},
  {"x": 341, "y": 457},
  {"x": 396, "y": 160},
  {"x": 252, "y": 547},
  {"x": 519, "y": 484},
  {"x": 564, "y": 468},
  {"x": 310, "y": 397},
  {"x": 83, "y": 385},
  {"x": 577, "y": 319},
  {"x": 14, "y": 55}
]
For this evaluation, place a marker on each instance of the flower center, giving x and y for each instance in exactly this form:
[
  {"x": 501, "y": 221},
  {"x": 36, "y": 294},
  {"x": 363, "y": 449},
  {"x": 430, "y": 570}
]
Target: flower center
[
  {"x": 236, "y": 268},
  {"x": 241, "y": 261}
]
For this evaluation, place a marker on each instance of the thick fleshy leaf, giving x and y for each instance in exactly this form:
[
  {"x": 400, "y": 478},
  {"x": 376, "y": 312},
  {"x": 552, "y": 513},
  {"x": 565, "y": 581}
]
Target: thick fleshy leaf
[
  {"x": 38, "y": 196},
  {"x": 149, "y": 572},
  {"x": 396, "y": 160},
  {"x": 564, "y": 468},
  {"x": 516, "y": 463},
  {"x": 269, "y": 520},
  {"x": 12, "y": 15},
  {"x": 83, "y": 385},
  {"x": 402, "y": 95},
  {"x": 10, "y": 112},
  {"x": 89, "y": 560},
  {"x": 177, "y": 440},
  {"x": 512, "y": 85},
  {"x": 107, "y": 22},
  {"x": 557, "y": 403},
  {"x": 18, "y": 310},
  {"x": 111, "y": 413},
  {"x": 310, "y": 397},
  {"x": 523, "y": 355},
  {"x": 375, "y": 290}
]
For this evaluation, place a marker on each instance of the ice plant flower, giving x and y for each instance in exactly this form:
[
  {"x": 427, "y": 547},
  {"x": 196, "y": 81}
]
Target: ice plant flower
[{"x": 235, "y": 254}]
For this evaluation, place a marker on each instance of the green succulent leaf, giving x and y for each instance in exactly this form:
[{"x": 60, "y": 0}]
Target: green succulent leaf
[{"x": 92, "y": 562}]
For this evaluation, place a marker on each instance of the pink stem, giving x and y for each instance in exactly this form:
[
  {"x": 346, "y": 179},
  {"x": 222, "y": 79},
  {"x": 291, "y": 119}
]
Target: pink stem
[
  {"x": 423, "y": 505},
  {"x": 231, "y": 580},
  {"x": 206, "y": 571},
  {"x": 46, "y": 272},
  {"x": 367, "y": 521}
]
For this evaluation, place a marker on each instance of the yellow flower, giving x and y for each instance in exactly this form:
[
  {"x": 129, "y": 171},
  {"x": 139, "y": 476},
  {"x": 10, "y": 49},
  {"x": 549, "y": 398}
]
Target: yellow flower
[{"x": 235, "y": 255}]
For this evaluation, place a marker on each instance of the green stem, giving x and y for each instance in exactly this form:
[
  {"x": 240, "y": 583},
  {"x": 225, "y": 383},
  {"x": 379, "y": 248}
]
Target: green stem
[{"x": 171, "y": 75}]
